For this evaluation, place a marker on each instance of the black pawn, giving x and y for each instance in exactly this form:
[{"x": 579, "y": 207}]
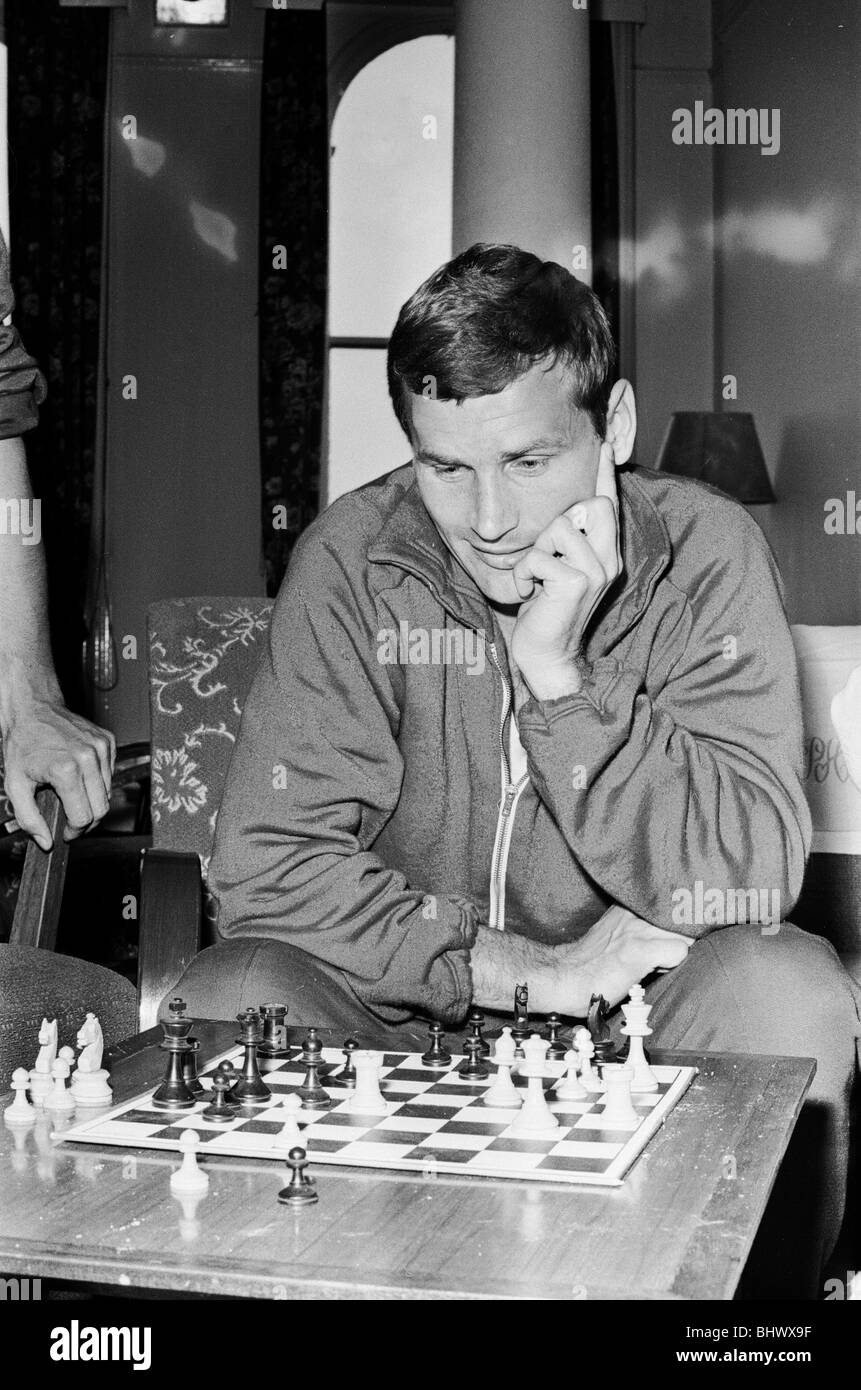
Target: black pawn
[
  {"x": 473, "y": 1068},
  {"x": 476, "y": 1023},
  {"x": 557, "y": 1049},
  {"x": 347, "y": 1075},
  {"x": 437, "y": 1056},
  {"x": 227, "y": 1069},
  {"x": 189, "y": 1069},
  {"x": 312, "y": 1048},
  {"x": 250, "y": 1089},
  {"x": 300, "y": 1191},
  {"x": 311, "y": 1093},
  {"x": 220, "y": 1111}
]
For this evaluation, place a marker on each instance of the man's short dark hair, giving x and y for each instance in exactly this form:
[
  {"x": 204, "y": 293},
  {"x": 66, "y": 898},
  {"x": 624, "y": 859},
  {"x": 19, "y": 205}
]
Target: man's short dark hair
[{"x": 487, "y": 316}]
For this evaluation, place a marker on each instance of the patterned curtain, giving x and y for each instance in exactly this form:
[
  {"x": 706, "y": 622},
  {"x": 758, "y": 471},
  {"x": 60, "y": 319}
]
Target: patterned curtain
[
  {"x": 293, "y": 269},
  {"x": 605, "y": 174},
  {"x": 57, "y": 76}
]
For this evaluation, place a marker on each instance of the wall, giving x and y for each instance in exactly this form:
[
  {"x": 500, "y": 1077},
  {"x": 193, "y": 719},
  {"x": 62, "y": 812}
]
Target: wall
[
  {"x": 183, "y": 458},
  {"x": 788, "y": 317}
]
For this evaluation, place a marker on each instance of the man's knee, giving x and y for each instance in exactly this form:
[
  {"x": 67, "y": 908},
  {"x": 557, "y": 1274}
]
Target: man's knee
[
  {"x": 234, "y": 975},
  {"x": 786, "y": 992}
]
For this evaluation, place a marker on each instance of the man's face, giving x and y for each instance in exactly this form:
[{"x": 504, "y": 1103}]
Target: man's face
[{"x": 493, "y": 471}]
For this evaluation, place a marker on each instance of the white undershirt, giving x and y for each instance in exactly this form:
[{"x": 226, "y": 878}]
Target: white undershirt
[{"x": 516, "y": 755}]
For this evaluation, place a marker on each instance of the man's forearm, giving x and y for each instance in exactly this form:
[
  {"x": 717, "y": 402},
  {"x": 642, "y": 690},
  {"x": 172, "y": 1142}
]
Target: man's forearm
[
  {"x": 26, "y": 666},
  {"x": 501, "y": 960}
]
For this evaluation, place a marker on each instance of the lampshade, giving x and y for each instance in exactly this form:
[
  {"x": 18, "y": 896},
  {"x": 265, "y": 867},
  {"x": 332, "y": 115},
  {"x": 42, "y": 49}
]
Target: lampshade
[{"x": 718, "y": 447}]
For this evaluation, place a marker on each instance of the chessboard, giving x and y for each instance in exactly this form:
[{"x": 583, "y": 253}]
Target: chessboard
[{"x": 437, "y": 1121}]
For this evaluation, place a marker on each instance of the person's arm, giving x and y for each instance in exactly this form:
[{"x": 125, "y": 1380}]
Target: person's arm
[
  {"x": 314, "y": 777},
  {"x": 43, "y": 742},
  {"x": 689, "y": 772}
]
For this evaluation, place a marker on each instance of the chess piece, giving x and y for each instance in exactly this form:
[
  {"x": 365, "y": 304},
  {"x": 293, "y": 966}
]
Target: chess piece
[
  {"x": 367, "y": 1099},
  {"x": 274, "y": 1041},
  {"x": 535, "y": 1116},
  {"x": 220, "y": 1110},
  {"x": 636, "y": 1028},
  {"x": 250, "y": 1089},
  {"x": 521, "y": 1029},
  {"x": 40, "y": 1075},
  {"x": 173, "y": 1094},
  {"x": 90, "y": 1080},
  {"x": 474, "y": 1068},
  {"x": 347, "y": 1075},
  {"x": 585, "y": 1052},
  {"x": 20, "y": 1112},
  {"x": 60, "y": 1097},
  {"x": 312, "y": 1048},
  {"x": 596, "y": 1022},
  {"x": 437, "y": 1056},
  {"x": 503, "y": 1094},
  {"x": 189, "y": 1177},
  {"x": 476, "y": 1024},
  {"x": 300, "y": 1191},
  {"x": 68, "y": 1055},
  {"x": 311, "y": 1093},
  {"x": 176, "y": 1009},
  {"x": 290, "y": 1134},
  {"x": 618, "y": 1111},
  {"x": 556, "y": 1049},
  {"x": 570, "y": 1087}
]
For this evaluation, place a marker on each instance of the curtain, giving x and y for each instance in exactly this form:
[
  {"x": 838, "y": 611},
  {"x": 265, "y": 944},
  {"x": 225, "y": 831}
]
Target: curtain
[
  {"x": 293, "y": 216},
  {"x": 57, "y": 76}
]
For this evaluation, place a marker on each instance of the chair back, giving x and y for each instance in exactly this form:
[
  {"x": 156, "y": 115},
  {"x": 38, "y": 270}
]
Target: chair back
[
  {"x": 203, "y": 653},
  {"x": 830, "y": 902}
]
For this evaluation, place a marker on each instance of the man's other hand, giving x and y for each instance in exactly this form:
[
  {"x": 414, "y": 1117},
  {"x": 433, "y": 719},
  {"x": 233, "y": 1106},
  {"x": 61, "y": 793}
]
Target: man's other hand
[
  {"x": 617, "y": 952},
  {"x": 46, "y": 743}
]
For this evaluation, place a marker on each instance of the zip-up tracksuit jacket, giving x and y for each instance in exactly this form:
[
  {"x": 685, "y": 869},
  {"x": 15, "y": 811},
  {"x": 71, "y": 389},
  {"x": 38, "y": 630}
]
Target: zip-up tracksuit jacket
[{"x": 368, "y": 817}]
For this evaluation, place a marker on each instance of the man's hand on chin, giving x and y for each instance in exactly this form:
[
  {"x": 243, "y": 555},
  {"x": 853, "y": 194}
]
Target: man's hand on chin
[{"x": 561, "y": 580}]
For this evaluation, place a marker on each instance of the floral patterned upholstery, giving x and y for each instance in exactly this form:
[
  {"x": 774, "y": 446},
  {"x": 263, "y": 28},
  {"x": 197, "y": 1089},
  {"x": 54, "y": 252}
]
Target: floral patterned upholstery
[{"x": 203, "y": 653}]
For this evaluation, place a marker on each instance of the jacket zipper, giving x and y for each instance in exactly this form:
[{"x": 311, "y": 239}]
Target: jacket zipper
[{"x": 507, "y": 806}]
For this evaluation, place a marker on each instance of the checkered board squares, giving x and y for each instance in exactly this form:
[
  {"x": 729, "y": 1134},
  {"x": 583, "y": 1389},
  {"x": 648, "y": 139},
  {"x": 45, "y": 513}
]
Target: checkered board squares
[{"x": 436, "y": 1122}]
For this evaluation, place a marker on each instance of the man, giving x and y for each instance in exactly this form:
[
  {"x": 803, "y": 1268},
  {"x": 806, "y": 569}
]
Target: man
[
  {"x": 42, "y": 742},
  {"x": 522, "y": 714}
]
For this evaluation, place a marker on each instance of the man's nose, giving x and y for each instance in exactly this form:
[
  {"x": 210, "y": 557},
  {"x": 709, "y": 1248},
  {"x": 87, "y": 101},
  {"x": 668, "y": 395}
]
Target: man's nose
[{"x": 492, "y": 515}]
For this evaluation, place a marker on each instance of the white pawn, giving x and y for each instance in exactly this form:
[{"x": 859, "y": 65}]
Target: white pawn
[
  {"x": 586, "y": 1051},
  {"x": 188, "y": 1177},
  {"x": 571, "y": 1087},
  {"x": 20, "y": 1112},
  {"x": 367, "y": 1099},
  {"x": 618, "y": 1112},
  {"x": 68, "y": 1055},
  {"x": 60, "y": 1097},
  {"x": 290, "y": 1134},
  {"x": 636, "y": 1028},
  {"x": 503, "y": 1094}
]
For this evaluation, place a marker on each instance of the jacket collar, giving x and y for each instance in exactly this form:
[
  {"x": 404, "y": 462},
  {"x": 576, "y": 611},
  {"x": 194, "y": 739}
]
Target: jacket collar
[{"x": 410, "y": 540}]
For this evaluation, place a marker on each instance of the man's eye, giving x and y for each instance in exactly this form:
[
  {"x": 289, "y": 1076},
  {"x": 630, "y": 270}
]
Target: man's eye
[{"x": 530, "y": 465}]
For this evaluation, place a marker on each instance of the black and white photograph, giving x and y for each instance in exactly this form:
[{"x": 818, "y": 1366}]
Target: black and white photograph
[{"x": 430, "y": 672}]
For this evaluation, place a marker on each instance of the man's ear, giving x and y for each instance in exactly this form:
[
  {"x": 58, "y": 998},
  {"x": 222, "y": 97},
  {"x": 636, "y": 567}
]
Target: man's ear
[{"x": 621, "y": 421}]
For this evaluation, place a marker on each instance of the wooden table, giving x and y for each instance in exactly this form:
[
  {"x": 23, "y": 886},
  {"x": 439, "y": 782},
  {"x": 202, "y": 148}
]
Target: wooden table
[{"x": 680, "y": 1227}]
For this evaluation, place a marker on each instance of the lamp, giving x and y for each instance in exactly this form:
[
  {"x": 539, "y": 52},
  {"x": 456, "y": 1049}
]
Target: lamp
[{"x": 718, "y": 447}]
